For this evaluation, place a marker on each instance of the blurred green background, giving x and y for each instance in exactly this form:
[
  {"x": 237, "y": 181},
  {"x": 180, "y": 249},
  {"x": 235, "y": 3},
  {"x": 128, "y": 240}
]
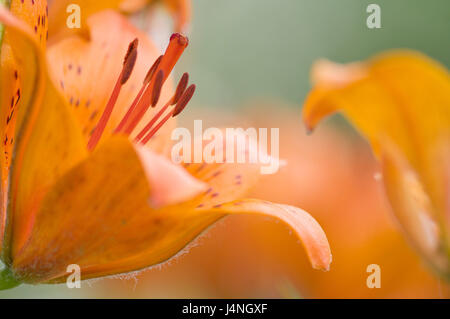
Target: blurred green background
[
  {"x": 242, "y": 49},
  {"x": 245, "y": 50}
]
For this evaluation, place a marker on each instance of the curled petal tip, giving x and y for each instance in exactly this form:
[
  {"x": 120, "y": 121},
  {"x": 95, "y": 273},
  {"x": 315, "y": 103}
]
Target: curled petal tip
[
  {"x": 309, "y": 129},
  {"x": 324, "y": 267}
]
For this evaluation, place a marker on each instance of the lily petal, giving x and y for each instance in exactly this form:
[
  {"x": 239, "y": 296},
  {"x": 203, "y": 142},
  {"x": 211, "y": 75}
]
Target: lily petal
[
  {"x": 400, "y": 102},
  {"x": 175, "y": 184},
  {"x": 48, "y": 141},
  {"x": 99, "y": 216},
  {"x": 35, "y": 15},
  {"x": 413, "y": 209},
  {"x": 228, "y": 179},
  {"x": 10, "y": 74},
  {"x": 10, "y": 96},
  {"x": 110, "y": 189},
  {"x": 77, "y": 60}
]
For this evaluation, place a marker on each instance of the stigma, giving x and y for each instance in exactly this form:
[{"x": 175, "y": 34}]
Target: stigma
[{"x": 149, "y": 94}]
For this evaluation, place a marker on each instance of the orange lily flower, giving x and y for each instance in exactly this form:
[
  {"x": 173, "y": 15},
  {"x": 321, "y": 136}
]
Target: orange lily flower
[
  {"x": 179, "y": 9},
  {"x": 400, "y": 101},
  {"x": 88, "y": 183}
]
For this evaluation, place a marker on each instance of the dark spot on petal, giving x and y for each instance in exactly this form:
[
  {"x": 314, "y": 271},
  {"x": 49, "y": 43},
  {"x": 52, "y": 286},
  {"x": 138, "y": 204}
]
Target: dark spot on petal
[{"x": 93, "y": 115}]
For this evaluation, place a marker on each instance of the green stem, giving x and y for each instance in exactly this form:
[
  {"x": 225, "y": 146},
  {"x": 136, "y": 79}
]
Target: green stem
[{"x": 7, "y": 280}]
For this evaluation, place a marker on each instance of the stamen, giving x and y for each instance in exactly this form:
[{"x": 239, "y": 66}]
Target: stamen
[
  {"x": 156, "y": 93},
  {"x": 178, "y": 93},
  {"x": 173, "y": 52},
  {"x": 147, "y": 79},
  {"x": 130, "y": 110},
  {"x": 152, "y": 70},
  {"x": 149, "y": 94},
  {"x": 152, "y": 121},
  {"x": 128, "y": 65},
  {"x": 184, "y": 100}
]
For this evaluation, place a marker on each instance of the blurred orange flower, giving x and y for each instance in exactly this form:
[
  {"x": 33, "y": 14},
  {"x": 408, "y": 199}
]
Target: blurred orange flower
[
  {"x": 180, "y": 10},
  {"x": 79, "y": 191},
  {"x": 400, "y": 101}
]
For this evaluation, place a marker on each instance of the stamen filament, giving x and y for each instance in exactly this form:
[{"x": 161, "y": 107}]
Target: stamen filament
[
  {"x": 130, "y": 110},
  {"x": 147, "y": 80},
  {"x": 152, "y": 70},
  {"x": 128, "y": 65},
  {"x": 145, "y": 102},
  {"x": 181, "y": 87},
  {"x": 157, "y": 127},
  {"x": 179, "y": 107},
  {"x": 98, "y": 131}
]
